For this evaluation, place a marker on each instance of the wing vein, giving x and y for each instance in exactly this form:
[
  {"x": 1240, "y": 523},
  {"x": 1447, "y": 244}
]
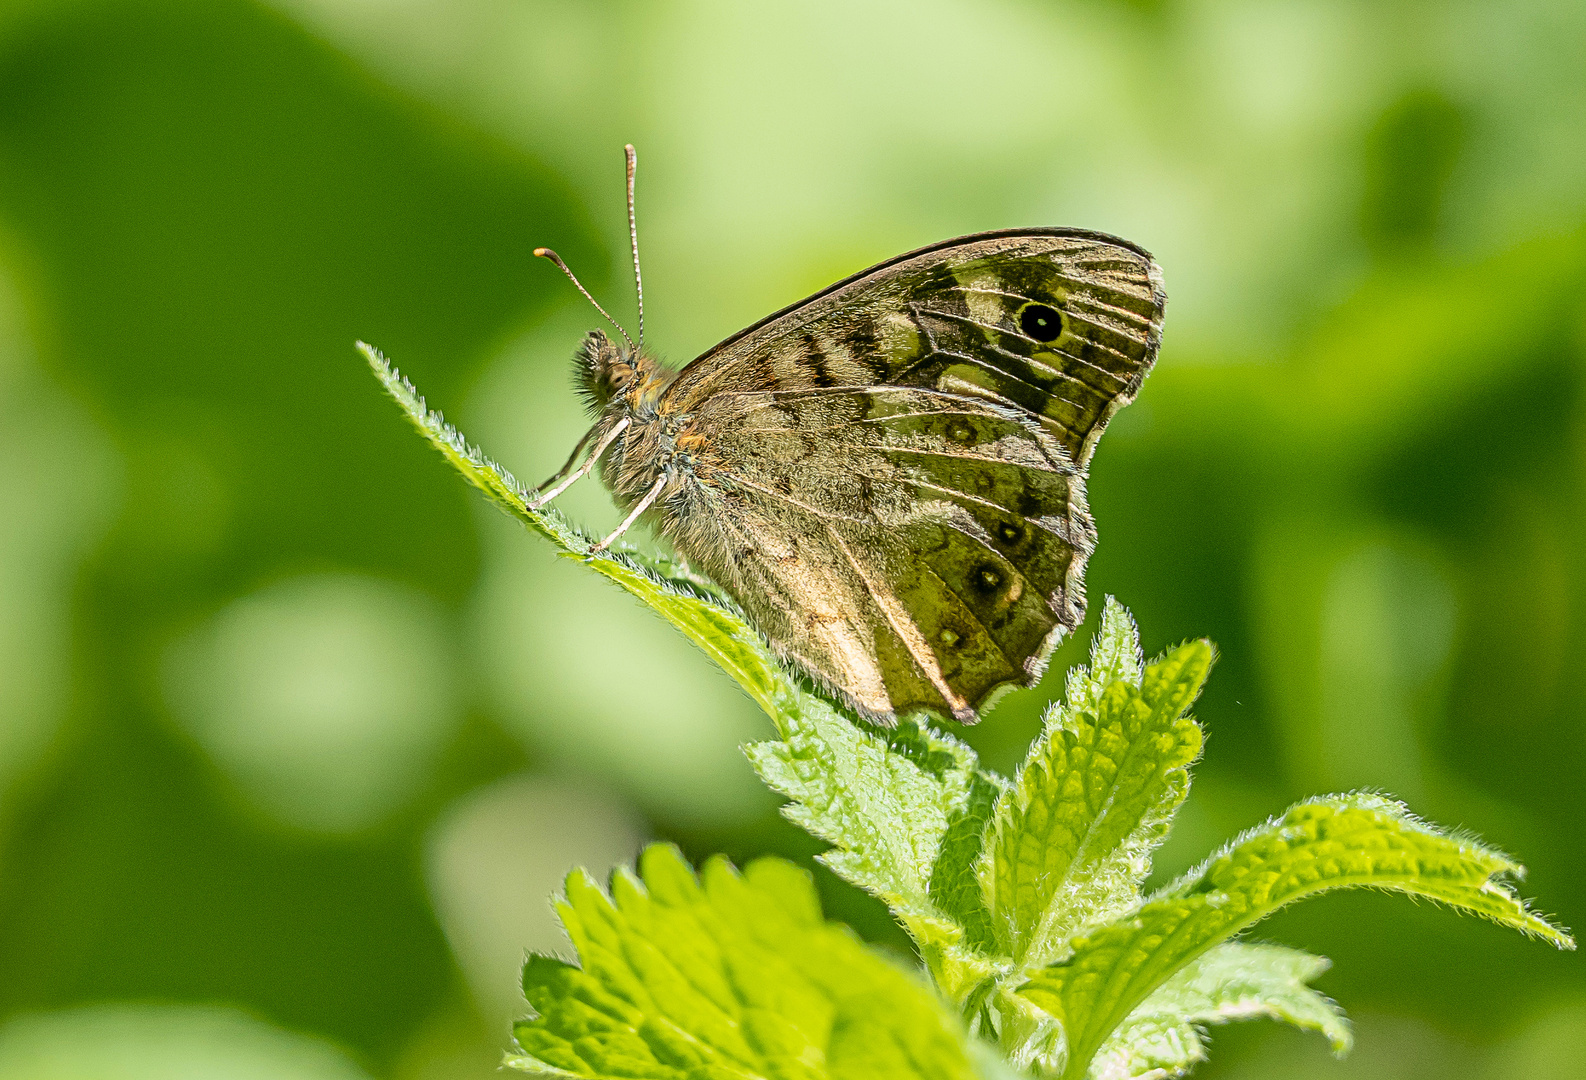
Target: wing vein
[
  {"x": 891, "y": 448},
  {"x": 985, "y": 365},
  {"x": 815, "y": 511},
  {"x": 907, "y": 630},
  {"x": 984, "y": 629},
  {"x": 992, "y": 506}
]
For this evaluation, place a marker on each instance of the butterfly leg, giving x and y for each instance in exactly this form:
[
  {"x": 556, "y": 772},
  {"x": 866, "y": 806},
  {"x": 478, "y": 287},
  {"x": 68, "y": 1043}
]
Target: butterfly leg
[
  {"x": 572, "y": 461},
  {"x": 583, "y": 470},
  {"x": 643, "y": 505}
]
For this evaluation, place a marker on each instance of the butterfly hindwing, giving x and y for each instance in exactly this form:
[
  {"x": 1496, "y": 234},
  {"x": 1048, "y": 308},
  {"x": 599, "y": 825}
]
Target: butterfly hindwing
[{"x": 912, "y": 549}]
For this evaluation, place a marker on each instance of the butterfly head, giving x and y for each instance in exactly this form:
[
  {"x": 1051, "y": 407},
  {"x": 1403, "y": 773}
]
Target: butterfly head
[{"x": 606, "y": 371}]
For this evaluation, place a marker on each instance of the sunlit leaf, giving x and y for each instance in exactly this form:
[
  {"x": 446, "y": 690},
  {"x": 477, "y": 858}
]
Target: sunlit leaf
[
  {"x": 1347, "y": 841},
  {"x": 725, "y": 976},
  {"x": 1071, "y": 841},
  {"x": 1234, "y": 981},
  {"x": 886, "y": 813}
]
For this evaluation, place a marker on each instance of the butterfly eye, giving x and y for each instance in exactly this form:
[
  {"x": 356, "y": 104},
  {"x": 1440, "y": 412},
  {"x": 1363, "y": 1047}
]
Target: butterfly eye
[{"x": 1041, "y": 322}]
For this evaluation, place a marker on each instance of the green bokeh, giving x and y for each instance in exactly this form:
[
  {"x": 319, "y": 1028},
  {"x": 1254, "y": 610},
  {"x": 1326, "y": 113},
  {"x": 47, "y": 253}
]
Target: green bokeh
[{"x": 1359, "y": 466}]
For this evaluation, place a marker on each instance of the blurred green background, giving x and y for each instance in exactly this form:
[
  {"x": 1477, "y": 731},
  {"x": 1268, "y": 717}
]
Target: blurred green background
[{"x": 296, "y": 734}]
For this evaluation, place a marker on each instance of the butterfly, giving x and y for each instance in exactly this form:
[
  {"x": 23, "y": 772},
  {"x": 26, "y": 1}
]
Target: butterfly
[{"x": 888, "y": 476}]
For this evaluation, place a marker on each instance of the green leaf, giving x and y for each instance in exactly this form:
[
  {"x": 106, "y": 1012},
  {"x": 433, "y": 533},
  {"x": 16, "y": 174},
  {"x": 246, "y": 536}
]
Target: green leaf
[
  {"x": 1114, "y": 654},
  {"x": 677, "y": 596},
  {"x": 886, "y": 804},
  {"x": 955, "y": 879},
  {"x": 1234, "y": 981},
  {"x": 1347, "y": 841},
  {"x": 884, "y": 813},
  {"x": 1071, "y": 841},
  {"x": 891, "y": 803},
  {"x": 724, "y": 976},
  {"x": 1030, "y": 1038}
]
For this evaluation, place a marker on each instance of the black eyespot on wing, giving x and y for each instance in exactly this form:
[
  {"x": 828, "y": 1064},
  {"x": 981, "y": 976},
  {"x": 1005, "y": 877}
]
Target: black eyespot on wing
[
  {"x": 987, "y": 577},
  {"x": 1041, "y": 322}
]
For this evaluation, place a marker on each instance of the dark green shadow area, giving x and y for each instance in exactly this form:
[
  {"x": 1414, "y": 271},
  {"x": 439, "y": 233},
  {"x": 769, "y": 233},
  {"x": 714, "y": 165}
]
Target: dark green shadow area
[{"x": 207, "y": 207}]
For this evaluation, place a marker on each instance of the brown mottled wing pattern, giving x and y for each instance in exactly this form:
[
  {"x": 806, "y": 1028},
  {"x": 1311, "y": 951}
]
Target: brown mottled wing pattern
[{"x": 889, "y": 476}]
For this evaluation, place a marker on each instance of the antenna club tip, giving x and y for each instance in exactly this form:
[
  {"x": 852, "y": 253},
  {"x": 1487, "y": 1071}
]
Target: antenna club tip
[
  {"x": 543, "y": 253},
  {"x": 628, "y": 149}
]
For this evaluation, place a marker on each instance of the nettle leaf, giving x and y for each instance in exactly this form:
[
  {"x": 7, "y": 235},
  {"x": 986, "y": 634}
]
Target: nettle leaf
[
  {"x": 1234, "y": 981},
  {"x": 735, "y": 976},
  {"x": 678, "y": 597},
  {"x": 892, "y": 803},
  {"x": 720, "y": 976},
  {"x": 1071, "y": 840},
  {"x": 1030, "y": 1038},
  {"x": 1342, "y": 841},
  {"x": 955, "y": 879},
  {"x": 904, "y": 811},
  {"x": 1114, "y": 654}
]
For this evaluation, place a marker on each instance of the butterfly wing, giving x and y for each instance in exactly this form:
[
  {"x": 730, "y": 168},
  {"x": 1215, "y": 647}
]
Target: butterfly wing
[
  {"x": 909, "y": 548},
  {"x": 889, "y": 477},
  {"x": 965, "y": 316}
]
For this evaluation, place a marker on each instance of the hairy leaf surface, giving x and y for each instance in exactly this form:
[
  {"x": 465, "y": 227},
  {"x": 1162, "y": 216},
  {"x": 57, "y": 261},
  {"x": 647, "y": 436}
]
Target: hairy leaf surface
[
  {"x": 1234, "y": 981},
  {"x": 1071, "y": 840},
  {"x": 724, "y": 976},
  {"x": 1330, "y": 843},
  {"x": 886, "y": 805}
]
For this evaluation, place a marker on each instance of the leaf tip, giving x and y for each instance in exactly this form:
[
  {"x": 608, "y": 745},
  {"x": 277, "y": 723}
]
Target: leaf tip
[
  {"x": 1545, "y": 929},
  {"x": 667, "y": 874}
]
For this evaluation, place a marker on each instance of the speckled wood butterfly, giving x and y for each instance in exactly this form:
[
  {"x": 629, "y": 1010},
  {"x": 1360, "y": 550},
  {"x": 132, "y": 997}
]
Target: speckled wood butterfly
[{"x": 889, "y": 476}]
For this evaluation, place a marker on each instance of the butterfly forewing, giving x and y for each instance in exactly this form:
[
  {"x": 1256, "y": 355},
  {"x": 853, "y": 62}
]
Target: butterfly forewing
[
  {"x": 889, "y": 476},
  {"x": 1036, "y": 331},
  {"x": 955, "y": 317}
]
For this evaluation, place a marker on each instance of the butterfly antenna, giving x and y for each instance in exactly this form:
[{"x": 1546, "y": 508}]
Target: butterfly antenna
[
  {"x": 547, "y": 253},
  {"x": 633, "y": 234}
]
